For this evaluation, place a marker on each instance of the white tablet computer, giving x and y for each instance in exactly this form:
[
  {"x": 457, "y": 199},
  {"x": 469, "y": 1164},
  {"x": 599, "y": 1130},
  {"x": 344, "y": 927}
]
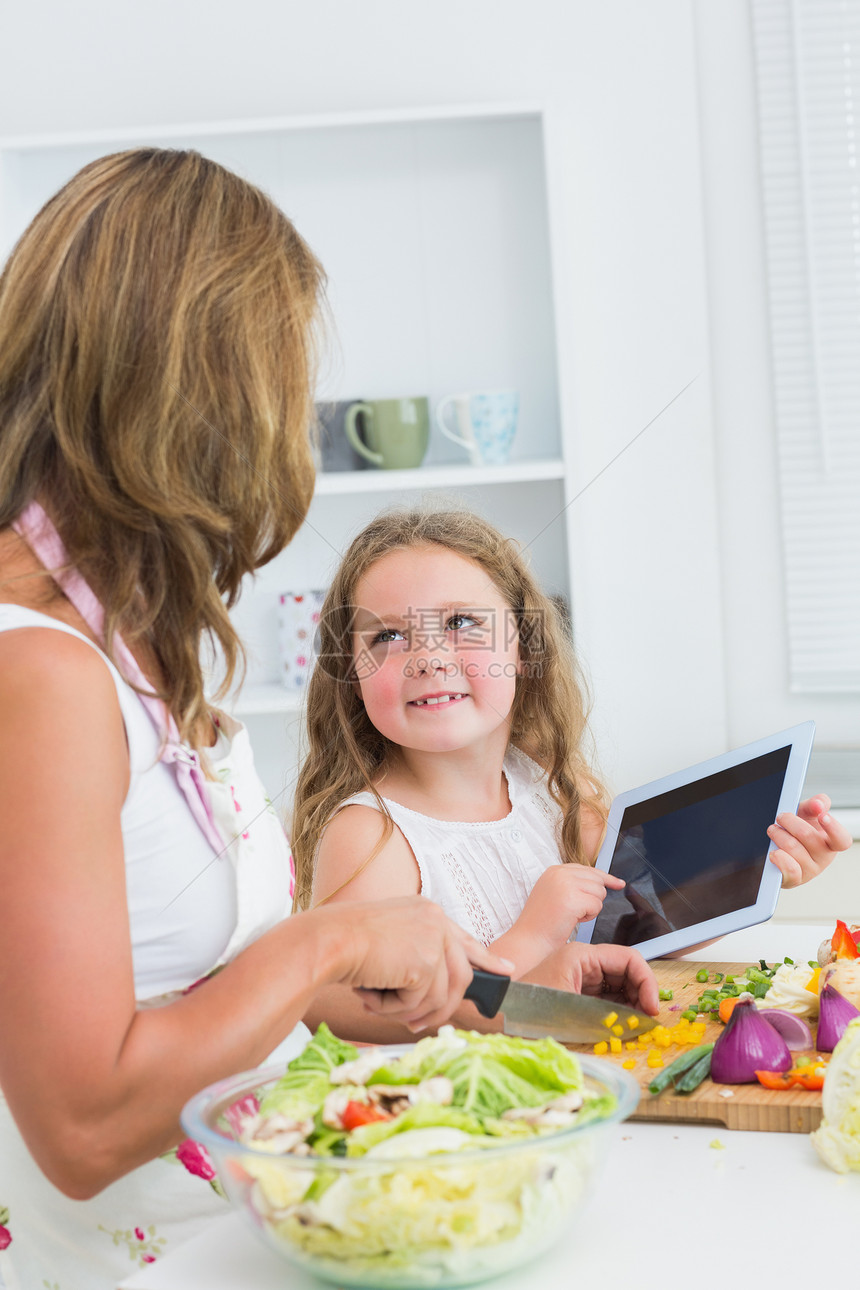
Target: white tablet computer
[{"x": 692, "y": 847}]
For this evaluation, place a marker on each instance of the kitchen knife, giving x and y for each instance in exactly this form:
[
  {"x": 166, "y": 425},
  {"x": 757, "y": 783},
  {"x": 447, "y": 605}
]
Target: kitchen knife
[{"x": 534, "y": 1011}]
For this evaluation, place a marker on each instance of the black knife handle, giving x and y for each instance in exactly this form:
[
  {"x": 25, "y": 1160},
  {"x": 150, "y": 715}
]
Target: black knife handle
[{"x": 487, "y": 990}]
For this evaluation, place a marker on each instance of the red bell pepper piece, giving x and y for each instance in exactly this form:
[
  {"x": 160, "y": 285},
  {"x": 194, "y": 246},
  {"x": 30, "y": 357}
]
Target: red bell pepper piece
[
  {"x": 843, "y": 943},
  {"x": 355, "y": 1114}
]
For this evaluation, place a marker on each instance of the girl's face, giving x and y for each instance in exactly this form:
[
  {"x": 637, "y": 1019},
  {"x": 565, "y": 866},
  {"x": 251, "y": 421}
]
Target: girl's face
[{"x": 434, "y": 649}]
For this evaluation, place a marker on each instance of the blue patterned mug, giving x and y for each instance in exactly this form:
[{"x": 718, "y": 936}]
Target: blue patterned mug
[{"x": 486, "y": 421}]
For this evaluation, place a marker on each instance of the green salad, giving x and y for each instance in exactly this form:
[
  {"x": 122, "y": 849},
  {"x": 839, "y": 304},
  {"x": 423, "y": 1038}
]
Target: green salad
[{"x": 391, "y": 1162}]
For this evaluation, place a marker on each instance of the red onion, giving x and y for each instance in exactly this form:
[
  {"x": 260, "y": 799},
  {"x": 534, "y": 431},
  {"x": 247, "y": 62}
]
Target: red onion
[
  {"x": 836, "y": 1012},
  {"x": 748, "y": 1044},
  {"x": 793, "y": 1029}
]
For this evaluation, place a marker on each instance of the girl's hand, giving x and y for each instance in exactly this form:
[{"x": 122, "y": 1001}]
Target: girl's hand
[
  {"x": 563, "y": 896},
  {"x": 616, "y": 971},
  {"x": 808, "y": 841},
  {"x": 408, "y": 961}
]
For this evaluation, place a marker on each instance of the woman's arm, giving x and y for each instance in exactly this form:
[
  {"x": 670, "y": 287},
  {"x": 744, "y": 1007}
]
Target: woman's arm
[
  {"x": 95, "y": 1085},
  {"x": 343, "y": 877}
]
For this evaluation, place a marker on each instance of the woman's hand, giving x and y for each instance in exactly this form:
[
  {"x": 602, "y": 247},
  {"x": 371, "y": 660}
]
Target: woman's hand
[
  {"x": 808, "y": 841},
  {"x": 407, "y": 960},
  {"x": 616, "y": 971}
]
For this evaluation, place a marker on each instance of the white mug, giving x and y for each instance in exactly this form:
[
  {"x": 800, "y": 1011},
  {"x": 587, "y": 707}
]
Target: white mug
[{"x": 486, "y": 421}]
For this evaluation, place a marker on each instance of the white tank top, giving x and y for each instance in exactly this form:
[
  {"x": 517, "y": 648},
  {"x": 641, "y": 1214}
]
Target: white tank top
[
  {"x": 481, "y": 873},
  {"x": 189, "y": 910}
]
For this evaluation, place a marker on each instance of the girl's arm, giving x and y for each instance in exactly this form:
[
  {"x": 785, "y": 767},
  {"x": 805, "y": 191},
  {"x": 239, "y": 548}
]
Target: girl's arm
[
  {"x": 537, "y": 943},
  {"x": 563, "y": 896},
  {"x": 95, "y": 1085}
]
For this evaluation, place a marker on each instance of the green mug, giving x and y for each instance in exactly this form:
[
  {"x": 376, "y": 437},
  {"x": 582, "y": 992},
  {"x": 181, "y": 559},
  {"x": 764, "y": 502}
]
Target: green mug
[{"x": 395, "y": 431}]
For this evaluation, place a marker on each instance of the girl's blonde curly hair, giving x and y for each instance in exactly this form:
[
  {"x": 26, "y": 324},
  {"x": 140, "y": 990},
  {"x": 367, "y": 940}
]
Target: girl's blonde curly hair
[{"x": 347, "y": 754}]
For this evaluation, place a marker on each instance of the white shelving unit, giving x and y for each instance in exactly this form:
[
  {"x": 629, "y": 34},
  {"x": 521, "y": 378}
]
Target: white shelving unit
[
  {"x": 444, "y": 476},
  {"x": 434, "y": 228}
]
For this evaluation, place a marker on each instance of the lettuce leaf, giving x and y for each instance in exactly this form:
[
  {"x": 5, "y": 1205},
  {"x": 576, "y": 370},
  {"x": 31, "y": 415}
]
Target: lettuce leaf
[
  {"x": 323, "y": 1052},
  {"x": 423, "y": 1115},
  {"x": 297, "y": 1094},
  {"x": 490, "y": 1073}
]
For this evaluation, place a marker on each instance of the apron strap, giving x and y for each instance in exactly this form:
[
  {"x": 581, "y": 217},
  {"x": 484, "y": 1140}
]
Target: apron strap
[{"x": 38, "y": 531}]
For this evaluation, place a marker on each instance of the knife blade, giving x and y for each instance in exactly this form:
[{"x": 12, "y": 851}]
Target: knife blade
[{"x": 535, "y": 1011}]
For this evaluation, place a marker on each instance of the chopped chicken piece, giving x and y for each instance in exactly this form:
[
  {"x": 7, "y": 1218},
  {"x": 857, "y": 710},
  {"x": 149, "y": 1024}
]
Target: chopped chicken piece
[
  {"x": 336, "y": 1103},
  {"x": 358, "y": 1070},
  {"x": 560, "y": 1111}
]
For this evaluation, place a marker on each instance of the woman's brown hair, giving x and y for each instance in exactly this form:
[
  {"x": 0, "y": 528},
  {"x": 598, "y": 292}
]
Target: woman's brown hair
[
  {"x": 347, "y": 754},
  {"x": 156, "y": 349}
]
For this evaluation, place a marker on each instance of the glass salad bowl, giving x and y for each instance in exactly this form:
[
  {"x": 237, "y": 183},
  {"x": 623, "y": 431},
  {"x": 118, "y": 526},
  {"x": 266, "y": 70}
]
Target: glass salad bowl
[{"x": 431, "y": 1205}]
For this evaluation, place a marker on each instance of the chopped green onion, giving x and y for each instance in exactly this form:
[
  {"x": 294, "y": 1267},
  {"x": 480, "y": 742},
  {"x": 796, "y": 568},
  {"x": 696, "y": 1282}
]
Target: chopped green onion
[
  {"x": 702, "y": 975},
  {"x": 718, "y": 976},
  {"x": 696, "y": 1073},
  {"x": 686, "y": 1062},
  {"x": 789, "y": 961},
  {"x": 803, "y": 1060},
  {"x": 666, "y": 995},
  {"x": 690, "y": 1015},
  {"x": 730, "y": 980}
]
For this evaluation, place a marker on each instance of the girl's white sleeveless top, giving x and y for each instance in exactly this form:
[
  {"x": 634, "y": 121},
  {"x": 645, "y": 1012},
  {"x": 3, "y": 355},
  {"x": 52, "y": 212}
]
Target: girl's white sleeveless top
[
  {"x": 481, "y": 873},
  {"x": 191, "y": 910}
]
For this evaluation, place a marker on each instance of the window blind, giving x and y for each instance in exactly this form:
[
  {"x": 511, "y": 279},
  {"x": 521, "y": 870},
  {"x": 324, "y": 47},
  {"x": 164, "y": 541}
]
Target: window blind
[{"x": 807, "y": 56}]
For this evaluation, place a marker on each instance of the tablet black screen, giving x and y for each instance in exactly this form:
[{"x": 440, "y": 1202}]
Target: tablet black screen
[{"x": 692, "y": 853}]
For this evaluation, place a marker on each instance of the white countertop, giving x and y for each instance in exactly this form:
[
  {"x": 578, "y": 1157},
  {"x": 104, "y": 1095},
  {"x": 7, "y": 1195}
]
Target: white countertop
[{"x": 672, "y": 1209}]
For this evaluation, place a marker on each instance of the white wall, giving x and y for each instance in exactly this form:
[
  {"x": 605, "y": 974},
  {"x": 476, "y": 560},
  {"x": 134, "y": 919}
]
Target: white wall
[
  {"x": 752, "y": 587},
  {"x": 620, "y": 80},
  {"x": 660, "y": 279}
]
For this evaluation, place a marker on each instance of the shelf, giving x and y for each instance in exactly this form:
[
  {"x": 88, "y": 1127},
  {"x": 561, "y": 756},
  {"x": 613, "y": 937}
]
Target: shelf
[
  {"x": 447, "y": 476},
  {"x": 273, "y": 125},
  {"x": 256, "y": 700}
]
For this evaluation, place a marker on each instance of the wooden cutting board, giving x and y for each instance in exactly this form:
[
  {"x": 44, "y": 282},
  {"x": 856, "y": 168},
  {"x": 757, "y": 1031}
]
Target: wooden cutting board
[{"x": 736, "y": 1106}]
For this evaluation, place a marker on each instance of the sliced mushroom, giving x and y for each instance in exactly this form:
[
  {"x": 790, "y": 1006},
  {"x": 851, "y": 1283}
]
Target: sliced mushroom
[
  {"x": 396, "y": 1098},
  {"x": 276, "y": 1133}
]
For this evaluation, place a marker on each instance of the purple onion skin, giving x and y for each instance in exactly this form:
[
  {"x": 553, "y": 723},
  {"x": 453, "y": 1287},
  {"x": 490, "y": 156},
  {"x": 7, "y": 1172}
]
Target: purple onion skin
[
  {"x": 793, "y": 1029},
  {"x": 835, "y": 1013},
  {"x": 748, "y": 1044}
]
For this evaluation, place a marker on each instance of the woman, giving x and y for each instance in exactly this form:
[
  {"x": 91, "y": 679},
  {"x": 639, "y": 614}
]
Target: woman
[{"x": 156, "y": 344}]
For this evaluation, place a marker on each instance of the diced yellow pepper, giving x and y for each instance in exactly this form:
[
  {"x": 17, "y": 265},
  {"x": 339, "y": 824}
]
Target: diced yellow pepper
[
  {"x": 632, "y": 1023},
  {"x": 812, "y": 984},
  {"x": 629, "y": 1064},
  {"x": 631, "y": 1045},
  {"x": 618, "y": 1030},
  {"x": 615, "y": 1045},
  {"x": 610, "y": 1020},
  {"x": 601, "y": 1048},
  {"x": 654, "y": 1059}
]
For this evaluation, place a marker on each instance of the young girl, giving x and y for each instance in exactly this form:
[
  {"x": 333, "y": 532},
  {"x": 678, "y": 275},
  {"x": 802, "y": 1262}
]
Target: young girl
[{"x": 447, "y": 729}]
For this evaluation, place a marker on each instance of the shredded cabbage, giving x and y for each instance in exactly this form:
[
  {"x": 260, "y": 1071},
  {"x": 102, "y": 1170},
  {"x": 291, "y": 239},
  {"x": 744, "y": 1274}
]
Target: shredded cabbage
[
  {"x": 837, "y": 1140},
  {"x": 426, "y": 1215}
]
